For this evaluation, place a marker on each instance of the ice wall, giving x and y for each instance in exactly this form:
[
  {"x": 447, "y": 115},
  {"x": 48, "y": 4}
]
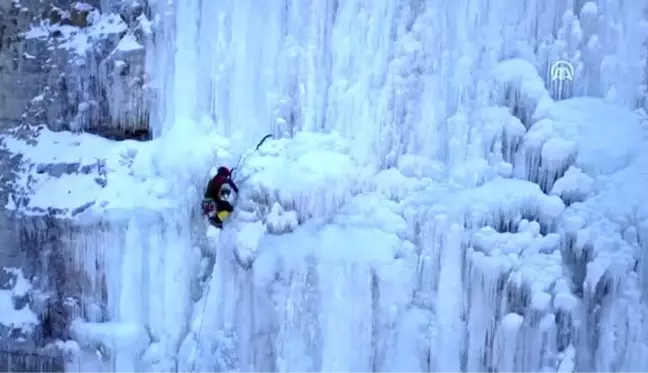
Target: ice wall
[
  {"x": 399, "y": 80},
  {"x": 387, "y": 74},
  {"x": 427, "y": 205}
]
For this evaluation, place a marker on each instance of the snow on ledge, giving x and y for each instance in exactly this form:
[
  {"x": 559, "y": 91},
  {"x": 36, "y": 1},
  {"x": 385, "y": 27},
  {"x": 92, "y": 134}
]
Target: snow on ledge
[
  {"x": 114, "y": 335},
  {"x": 75, "y": 39},
  {"x": 89, "y": 178},
  {"x": 129, "y": 43},
  {"x": 80, "y": 175}
]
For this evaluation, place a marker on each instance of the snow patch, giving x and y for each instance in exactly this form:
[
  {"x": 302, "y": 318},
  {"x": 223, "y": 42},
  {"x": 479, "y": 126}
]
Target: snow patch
[
  {"x": 86, "y": 173},
  {"x": 129, "y": 43},
  {"x": 15, "y": 316},
  {"x": 76, "y": 39},
  {"x": 116, "y": 335}
]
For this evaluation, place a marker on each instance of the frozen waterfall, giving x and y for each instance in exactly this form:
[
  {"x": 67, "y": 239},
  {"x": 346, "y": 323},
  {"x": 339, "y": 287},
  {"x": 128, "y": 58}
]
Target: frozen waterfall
[{"x": 431, "y": 200}]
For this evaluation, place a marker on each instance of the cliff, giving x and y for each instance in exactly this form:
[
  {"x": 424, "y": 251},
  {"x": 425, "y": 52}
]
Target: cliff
[
  {"x": 75, "y": 66},
  {"x": 66, "y": 65}
]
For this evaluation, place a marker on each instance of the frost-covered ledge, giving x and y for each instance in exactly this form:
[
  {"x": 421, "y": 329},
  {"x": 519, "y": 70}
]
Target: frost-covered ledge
[{"x": 66, "y": 174}]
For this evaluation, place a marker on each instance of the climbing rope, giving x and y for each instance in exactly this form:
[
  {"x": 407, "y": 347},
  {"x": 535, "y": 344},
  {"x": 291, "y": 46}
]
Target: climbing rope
[{"x": 239, "y": 165}]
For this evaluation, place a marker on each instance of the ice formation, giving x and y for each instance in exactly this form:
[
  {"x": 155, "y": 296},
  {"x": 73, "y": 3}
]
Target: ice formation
[{"x": 425, "y": 205}]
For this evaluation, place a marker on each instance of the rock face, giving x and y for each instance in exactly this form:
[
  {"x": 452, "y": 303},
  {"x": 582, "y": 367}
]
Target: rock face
[
  {"x": 34, "y": 273},
  {"x": 70, "y": 65},
  {"x": 75, "y": 66}
]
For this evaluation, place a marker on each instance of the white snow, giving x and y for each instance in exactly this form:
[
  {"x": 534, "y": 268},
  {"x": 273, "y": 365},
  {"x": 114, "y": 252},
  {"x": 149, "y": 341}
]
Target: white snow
[
  {"x": 79, "y": 40},
  {"x": 110, "y": 334},
  {"x": 291, "y": 173},
  {"x": 609, "y": 136},
  {"x": 129, "y": 43},
  {"x": 123, "y": 167},
  {"x": 12, "y": 317},
  {"x": 425, "y": 204},
  {"x": 573, "y": 185},
  {"x": 76, "y": 39},
  {"x": 589, "y": 133},
  {"x": 280, "y": 221},
  {"x": 125, "y": 340},
  {"x": 589, "y": 8}
]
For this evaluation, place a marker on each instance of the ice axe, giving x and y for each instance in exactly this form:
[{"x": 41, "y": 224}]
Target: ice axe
[{"x": 241, "y": 161}]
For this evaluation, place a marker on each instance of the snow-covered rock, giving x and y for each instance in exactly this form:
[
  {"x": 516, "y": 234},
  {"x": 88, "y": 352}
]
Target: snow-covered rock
[
  {"x": 72, "y": 65},
  {"x": 17, "y": 315},
  {"x": 65, "y": 174}
]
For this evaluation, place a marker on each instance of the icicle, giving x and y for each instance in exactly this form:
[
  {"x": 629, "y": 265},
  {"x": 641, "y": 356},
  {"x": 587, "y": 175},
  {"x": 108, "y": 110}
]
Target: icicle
[
  {"x": 449, "y": 299},
  {"x": 506, "y": 346}
]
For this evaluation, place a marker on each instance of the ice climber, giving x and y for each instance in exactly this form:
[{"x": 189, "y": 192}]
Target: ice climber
[{"x": 216, "y": 206}]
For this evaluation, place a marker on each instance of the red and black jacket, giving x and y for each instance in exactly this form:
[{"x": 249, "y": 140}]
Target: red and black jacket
[{"x": 216, "y": 183}]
